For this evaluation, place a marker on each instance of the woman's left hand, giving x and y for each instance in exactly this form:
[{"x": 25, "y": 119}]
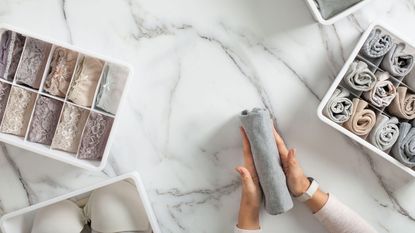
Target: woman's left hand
[{"x": 251, "y": 199}]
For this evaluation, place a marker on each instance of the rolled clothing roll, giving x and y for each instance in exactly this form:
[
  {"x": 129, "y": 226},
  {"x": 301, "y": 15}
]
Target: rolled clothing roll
[
  {"x": 397, "y": 61},
  {"x": 339, "y": 107},
  {"x": 403, "y": 105},
  {"x": 404, "y": 148},
  {"x": 359, "y": 77},
  {"x": 362, "y": 120},
  {"x": 11, "y": 47},
  {"x": 383, "y": 92},
  {"x": 330, "y": 8},
  {"x": 377, "y": 44},
  {"x": 385, "y": 132},
  {"x": 258, "y": 126}
]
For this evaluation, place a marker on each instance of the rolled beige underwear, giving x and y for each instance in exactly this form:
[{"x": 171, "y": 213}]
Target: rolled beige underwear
[
  {"x": 362, "y": 120},
  {"x": 403, "y": 106}
]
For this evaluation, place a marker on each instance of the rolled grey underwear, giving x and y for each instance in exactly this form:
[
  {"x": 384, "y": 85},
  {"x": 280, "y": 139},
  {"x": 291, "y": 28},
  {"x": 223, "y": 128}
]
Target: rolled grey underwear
[
  {"x": 383, "y": 92},
  {"x": 359, "y": 77},
  {"x": 404, "y": 148},
  {"x": 377, "y": 44},
  {"x": 339, "y": 107},
  {"x": 397, "y": 62},
  {"x": 385, "y": 132},
  {"x": 258, "y": 126},
  {"x": 11, "y": 47},
  {"x": 330, "y": 8}
]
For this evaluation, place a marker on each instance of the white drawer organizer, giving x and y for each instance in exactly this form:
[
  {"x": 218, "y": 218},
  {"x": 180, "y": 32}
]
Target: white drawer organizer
[
  {"x": 317, "y": 15},
  {"x": 338, "y": 83},
  {"x": 21, "y": 221},
  {"x": 72, "y": 158}
]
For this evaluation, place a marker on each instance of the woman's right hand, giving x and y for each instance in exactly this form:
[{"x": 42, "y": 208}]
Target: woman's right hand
[{"x": 297, "y": 182}]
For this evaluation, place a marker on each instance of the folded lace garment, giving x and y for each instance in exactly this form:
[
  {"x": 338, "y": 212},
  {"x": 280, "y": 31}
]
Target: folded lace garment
[
  {"x": 377, "y": 44},
  {"x": 44, "y": 120},
  {"x": 95, "y": 137},
  {"x": 85, "y": 82},
  {"x": 258, "y": 126},
  {"x": 32, "y": 65},
  {"x": 339, "y": 107},
  {"x": 111, "y": 88},
  {"x": 403, "y": 106},
  {"x": 359, "y": 77},
  {"x": 330, "y": 8},
  {"x": 18, "y": 112},
  {"x": 383, "y": 92},
  {"x": 385, "y": 132},
  {"x": 113, "y": 208},
  {"x": 397, "y": 61},
  {"x": 404, "y": 148},
  {"x": 362, "y": 120},
  {"x": 11, "y": 49},
  {"x": 4, "y": 96},
  {"x": 61, "y": 70},
  {"x": 69, "y": 130}
]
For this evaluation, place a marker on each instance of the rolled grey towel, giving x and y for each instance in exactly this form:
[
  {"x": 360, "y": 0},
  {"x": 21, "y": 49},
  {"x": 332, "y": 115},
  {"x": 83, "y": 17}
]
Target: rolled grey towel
[
  {"x": 330, "y": 8},
  {"x": 359, "y": 77},
  {"x": 397, "y": 62},
  {"x": 377, "y": 44},
  {"x": 383, "y": 92},
  {"x": 339, "y": 107},
  {"x": 258, "y": 127},
  {"x": 385, "y": 132},
  {"x": 404, "y": 148}
]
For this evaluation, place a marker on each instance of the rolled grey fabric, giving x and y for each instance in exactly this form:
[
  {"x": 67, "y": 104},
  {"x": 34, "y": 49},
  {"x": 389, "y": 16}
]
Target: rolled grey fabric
[
  {"x": 403, "y": 105},
  {"x": 258, "y": 126},
  {"x": 404, "y": 148},
  {"x": 362, "y": 120},
  {"x": 397, "y": 61},
  {"x": 377, "y": 44},
  {"x": 385, "y": 132},
  {"x": 330, "y": 8},
  {"x": 359, "y": 77},
  {"x": 383, "y": 92},
  {"x": 339, "y": 107}
]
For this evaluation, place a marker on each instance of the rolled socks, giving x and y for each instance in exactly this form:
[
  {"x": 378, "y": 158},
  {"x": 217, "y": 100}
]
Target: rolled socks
[{"x": 258, "y": 126}]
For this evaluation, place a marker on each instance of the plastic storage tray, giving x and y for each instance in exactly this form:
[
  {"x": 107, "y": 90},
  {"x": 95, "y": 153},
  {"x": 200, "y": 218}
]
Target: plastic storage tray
[
  {"x": 317, "y": 15},
  {"x": 21, "y": 221},
  {"x": 338, "y": 83},
  {"x": 46, "y": 150}
]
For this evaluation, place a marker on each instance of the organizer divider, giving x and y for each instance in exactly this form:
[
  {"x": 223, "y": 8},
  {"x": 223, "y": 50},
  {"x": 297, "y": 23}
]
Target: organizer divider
[{"x": 47, "y": 68}]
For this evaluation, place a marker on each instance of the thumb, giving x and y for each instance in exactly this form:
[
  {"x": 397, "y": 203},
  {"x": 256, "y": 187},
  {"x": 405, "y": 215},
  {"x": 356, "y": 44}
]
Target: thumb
[{"x": 246, "y": 178}]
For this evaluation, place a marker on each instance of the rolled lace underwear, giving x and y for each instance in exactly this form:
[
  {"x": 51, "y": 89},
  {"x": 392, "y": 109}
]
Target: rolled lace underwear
[
  {"x": 44, "y": 120},
  {"x": 95, "y": 137},
  {"x": 11, "y": 49},
  {"x": 4, "y": 96},
  {"x": 61, "y": 70}
]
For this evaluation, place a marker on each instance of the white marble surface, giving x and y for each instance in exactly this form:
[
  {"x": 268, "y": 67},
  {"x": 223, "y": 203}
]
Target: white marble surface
[{"x": 198, "y": 63}]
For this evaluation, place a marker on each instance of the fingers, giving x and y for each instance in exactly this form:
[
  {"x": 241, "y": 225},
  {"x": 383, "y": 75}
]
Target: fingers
[
  {"x": 290, "y": 160},
  {"x": 282, "y": 148},
  {"x": 246, "y": 178},
  {"x": 248, "y": 159}
]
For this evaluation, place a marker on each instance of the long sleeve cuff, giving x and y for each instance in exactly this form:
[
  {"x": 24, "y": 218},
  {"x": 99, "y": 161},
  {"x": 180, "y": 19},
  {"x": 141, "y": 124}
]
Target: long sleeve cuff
[{"x": 238, "y": 230}]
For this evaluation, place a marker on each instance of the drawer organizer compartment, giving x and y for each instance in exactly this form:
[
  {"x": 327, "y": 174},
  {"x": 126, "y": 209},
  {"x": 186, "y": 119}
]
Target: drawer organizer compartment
[
  {"x": 57, "y": 100},
  {"x": 327, "y": 12},
  {"x": 373, "y": 98},
  {"x": 74, "y": 210}
]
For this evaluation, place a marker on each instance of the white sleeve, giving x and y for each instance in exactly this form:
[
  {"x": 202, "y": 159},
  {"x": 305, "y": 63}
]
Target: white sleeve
[{"x": 238, "y": 230}]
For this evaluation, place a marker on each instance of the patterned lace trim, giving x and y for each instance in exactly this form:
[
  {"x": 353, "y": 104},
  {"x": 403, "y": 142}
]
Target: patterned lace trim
[
  {"x": 17, "y": 112},
  {"x": 4, "y": 95},
  {"x": 17, "y": 49},
  {"x": 45, "y": 119}
]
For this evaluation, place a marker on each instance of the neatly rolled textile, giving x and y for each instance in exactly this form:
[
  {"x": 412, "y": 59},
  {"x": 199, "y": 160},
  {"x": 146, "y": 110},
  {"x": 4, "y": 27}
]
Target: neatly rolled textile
[
  {"x": 339, "y": 107},
  {"x": 397, "y": 61},
  {"x": 404, "y": 148},
  {"x": 377, "y": 44},
  {"x": 258, "y": 126},
  {"x": 403, "y": 106},
  {"x": 383, "y": 92},
  {"x": 359, "y": 77},
  {"x": 385, "y": 132},
  {"x": 330, "y": 8},
  {"x": 362, "y": 120}
]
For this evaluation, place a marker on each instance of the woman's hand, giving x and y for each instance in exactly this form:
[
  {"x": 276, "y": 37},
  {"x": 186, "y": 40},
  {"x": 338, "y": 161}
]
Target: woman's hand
[
  {"x": 296, "y": 180},
  {"x": 248, "y": 218}
]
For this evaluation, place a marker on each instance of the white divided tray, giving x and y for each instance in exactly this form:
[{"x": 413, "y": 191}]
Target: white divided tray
[
  {"x": 317, "y": 15},
  {"x": 397, "y": 82},
  {"x": 21, "y": 221},
  {"x": 102, "y": 132}
]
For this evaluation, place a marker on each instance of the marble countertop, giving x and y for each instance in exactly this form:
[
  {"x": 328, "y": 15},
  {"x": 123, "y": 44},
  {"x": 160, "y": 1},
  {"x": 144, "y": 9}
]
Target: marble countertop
[{"x": 198, "y": 63}]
